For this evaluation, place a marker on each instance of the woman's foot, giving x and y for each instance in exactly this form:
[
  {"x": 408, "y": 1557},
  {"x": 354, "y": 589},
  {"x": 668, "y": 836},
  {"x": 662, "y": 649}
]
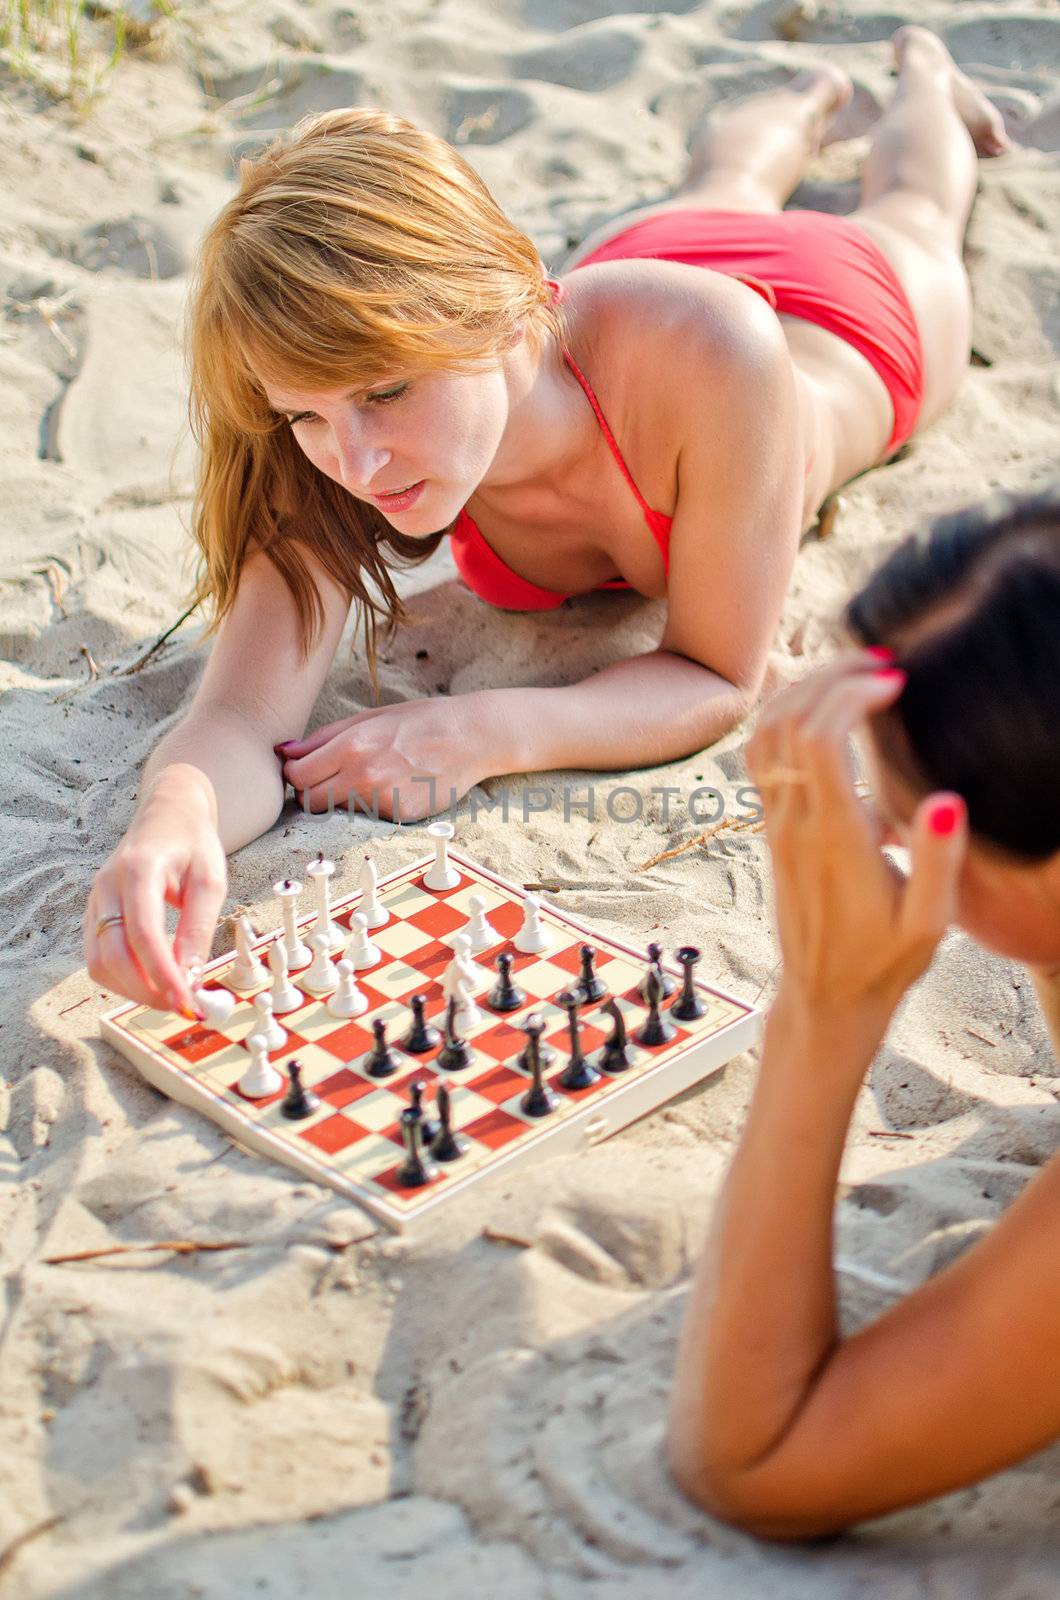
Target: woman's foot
[
  {"x": 828, "y": 88},
  {"x": 914, "y": 47}
]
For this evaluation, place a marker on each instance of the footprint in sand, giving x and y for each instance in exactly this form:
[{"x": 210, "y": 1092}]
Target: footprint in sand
[{"x": 593, "y": 63}]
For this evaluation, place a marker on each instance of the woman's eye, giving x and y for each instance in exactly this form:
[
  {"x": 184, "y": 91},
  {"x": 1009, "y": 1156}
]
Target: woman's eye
[
  {"x": 305, "y": 416},
  {"x": 383, "y": 397}
]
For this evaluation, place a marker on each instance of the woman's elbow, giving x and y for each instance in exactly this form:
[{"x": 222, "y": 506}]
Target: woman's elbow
[{"x": 740, "y": 1498}]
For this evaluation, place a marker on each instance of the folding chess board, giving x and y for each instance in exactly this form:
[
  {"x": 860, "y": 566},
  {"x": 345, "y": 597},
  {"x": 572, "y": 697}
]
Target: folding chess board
[{"x": 353, "y": 1141}]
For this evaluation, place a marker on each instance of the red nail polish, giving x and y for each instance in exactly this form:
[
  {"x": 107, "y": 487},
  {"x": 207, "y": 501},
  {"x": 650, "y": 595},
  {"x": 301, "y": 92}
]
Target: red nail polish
[
  {"x": 889, "y": 675},
  {"x": 881, "y": 652},
  {"x": 944, "y": 818}
]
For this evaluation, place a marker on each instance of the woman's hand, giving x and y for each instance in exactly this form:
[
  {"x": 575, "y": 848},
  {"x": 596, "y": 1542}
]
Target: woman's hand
[
  {"x": 171, "y": 855},
  {"x": 410, "y": 760},
  {"x": 853, "y": 933}
]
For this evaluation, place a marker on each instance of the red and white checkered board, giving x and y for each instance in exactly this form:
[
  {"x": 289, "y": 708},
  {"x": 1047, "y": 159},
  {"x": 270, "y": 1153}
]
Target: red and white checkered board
[{"x": 353, "y": 1141}]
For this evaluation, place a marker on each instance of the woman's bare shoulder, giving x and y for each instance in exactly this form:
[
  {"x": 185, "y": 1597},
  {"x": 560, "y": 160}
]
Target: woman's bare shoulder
[{"x": 663, "y": 331}]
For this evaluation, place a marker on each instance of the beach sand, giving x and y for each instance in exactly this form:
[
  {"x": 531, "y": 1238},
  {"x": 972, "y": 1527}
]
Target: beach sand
[{"x": 330, "y": 1410}]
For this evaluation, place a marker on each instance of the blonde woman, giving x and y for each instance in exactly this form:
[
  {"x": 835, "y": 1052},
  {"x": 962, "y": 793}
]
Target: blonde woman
[{"x": 379, "y": 361}]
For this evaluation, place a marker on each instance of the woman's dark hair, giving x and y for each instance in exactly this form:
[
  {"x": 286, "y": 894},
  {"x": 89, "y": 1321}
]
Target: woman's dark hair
[{"x": 972, "y": 611}]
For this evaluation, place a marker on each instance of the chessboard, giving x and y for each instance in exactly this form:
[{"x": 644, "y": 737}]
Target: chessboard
[{"x": 352, "y": 1132}]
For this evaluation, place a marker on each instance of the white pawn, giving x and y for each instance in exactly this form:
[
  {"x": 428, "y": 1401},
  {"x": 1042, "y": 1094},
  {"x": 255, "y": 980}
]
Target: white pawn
[
  {"x": 363, "y": 953},
  {"x": 348, "y": 1000},
  {"x": 320, "y": 977},
  {"x": 284, "y": 995},
  {"x": 532, "y": 937},
  {"x": 298, "y": 954},
  {"x": 441, "y": 874},
  {"x": 216, "y": 1005},
  {"x": 372, "y": 908},
  {"x": 275, "y": 1036},
  {"x": 247, "y": 971},
  {"x": 478, "y": 931},
  {"x": 261, "y": 1077}
]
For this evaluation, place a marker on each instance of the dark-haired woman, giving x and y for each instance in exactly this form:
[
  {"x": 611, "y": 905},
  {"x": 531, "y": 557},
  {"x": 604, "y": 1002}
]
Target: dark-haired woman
[{"x": 778, "y": 1424}]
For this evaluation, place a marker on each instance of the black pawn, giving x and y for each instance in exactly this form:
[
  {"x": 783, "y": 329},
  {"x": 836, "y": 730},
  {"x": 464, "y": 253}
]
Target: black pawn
[
  {"x": 688, "y": 1005},
  {"x": 578, "y": 1073},
  {"x": 298, "y": 1102},
  {"x": 614, "y": 1052},
  {"x": 589, "y": 986},
  {"x": 421, "y": 1037},
  {"x": 455, "y": 1053},
  {"x": 655, "y": 1029},
  {"x": 667, "y": 981},
  {"x": 539, "y": 1099},
  {"x": 428, "y": 1129},
  {"x": 415, "y": 1170},
  {"x": 446, "y": 1145},
  {"x": 381, "y": 1061},
  {"x": 505, "y": 995}
]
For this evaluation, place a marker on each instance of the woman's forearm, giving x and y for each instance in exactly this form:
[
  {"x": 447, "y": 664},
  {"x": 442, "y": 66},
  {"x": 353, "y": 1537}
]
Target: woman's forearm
[
  {"x": 761, "y": 1318},
  {"x": 635, "y": 713},
  {"x": 240, "y": 776}
]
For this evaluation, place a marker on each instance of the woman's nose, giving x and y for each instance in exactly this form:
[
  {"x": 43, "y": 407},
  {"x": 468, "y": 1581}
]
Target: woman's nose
[{"x": 360, "y": 462}]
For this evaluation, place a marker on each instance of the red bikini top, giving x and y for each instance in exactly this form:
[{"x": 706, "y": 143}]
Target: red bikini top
[{"x": 493, "y": 579}]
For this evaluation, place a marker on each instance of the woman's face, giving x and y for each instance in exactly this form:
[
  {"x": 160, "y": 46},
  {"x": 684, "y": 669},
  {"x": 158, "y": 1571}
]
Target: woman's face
[
  {"x": 1008, "y": 906},
  {"x": 436, "y": 433}
]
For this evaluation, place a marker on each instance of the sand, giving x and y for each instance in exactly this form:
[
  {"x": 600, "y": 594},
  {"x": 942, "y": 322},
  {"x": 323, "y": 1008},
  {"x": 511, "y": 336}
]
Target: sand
[{"x": 330, "y": 1410}]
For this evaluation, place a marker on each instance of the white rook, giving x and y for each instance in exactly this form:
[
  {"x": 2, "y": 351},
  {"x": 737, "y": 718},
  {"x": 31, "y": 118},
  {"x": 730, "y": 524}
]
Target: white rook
[{"x": 441, "y": 875}]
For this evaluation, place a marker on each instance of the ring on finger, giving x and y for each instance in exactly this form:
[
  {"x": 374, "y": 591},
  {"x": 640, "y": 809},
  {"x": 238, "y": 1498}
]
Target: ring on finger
[{"x": 115, "y": 920}]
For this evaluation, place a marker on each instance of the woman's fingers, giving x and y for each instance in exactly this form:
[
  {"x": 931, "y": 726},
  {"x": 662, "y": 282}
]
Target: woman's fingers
[
  {"x": 202, "y": 896},
  {"x": 143, "y": 906},
  {"x": 110, "y": 961},
  {"x": 937, "y": 850}
]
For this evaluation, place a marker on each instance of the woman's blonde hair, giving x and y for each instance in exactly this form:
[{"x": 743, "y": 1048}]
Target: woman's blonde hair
[{"x": 357, "y": 247}]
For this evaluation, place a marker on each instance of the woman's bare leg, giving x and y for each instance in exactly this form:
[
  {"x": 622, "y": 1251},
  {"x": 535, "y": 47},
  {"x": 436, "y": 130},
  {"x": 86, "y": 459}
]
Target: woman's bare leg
[
  {"x": 917, "y": 190},
  {"x": 758, "y": 149},
  {"x": 749, "y": 156}
]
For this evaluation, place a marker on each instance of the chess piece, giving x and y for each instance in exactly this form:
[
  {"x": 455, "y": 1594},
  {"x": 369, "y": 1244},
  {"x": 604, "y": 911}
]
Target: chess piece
[
  {"x": 688, "y": 1005},
  {"x": 416, "y": 1170},
  {"x": 299, "y": 955},
  {"x": 247, "y": 971},
  {"x": 371, "y": 907},
  {"x": 446, "y": 1145},
  {"x": 532, "y": 938},
  {"x": 421, "y": 1037},
  {"x": 348, "y": 1000},
  {"x": 216, "y": 1005},
  {"x": 299, "y": 1102},
  {"x": 320, "y": 872},
  {"x": 655, "y": 1029},
  {"x": 320, "y": 977},
  {"x": 667, "y": 981},
  {"x": 428, "y": 1128},
  {"x": 266, "y": 1023},
  {"x": 462, "y": 966},
  {"x": 614, "y": 1052},
  {"x": 260, "y": 1078},
  {"x": 455, "y": 1053},
  {"x": 283, "y": 994},
  {"x": 505, "y": 994},
  {"x": 589, "y": 986},
  {"x": 539, "y": 1099},
  {"x": 381, "y": 1061},
  {"x": 362, "y": 952},
  {"x": 579, "y": 1073},
  {"x": 441, "y": 874},
  {"x": 479, "y": 931}
]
